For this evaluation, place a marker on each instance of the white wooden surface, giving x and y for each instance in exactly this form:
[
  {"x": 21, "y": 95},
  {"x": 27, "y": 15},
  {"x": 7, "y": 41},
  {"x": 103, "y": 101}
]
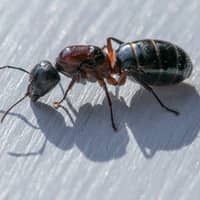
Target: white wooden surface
[{"x": 74, "y": 154}]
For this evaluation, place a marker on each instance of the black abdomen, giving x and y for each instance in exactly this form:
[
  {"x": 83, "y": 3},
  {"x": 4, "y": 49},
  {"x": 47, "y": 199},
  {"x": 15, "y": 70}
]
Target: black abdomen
[{"x": 163, "y": 63}]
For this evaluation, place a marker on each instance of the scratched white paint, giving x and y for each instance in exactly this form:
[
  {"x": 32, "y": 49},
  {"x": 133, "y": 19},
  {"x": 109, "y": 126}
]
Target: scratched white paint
[{"x": 74, "y": 154}]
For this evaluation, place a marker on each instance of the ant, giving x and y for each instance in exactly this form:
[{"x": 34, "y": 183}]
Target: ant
[{"x": 149, "y": 62}]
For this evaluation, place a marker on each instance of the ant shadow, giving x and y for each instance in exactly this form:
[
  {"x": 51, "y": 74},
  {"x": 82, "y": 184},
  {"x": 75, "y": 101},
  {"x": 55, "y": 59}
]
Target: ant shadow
[
  {"x": 88, "y": 133},
  {"x": 153, "y": 128},
  {"x": 96, "y": 141},
  {"x": 20, "y": 116}
]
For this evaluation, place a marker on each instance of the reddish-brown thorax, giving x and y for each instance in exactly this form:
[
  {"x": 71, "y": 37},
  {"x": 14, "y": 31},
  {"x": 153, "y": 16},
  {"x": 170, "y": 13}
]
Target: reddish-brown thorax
[{"x": 81, "y": 59}]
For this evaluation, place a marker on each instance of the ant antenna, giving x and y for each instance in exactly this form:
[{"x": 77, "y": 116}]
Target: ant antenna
[
  {"x": 14, "y": 106},
  {"x": 17, "y": 68},
  {"x": 27, "y": 94}
]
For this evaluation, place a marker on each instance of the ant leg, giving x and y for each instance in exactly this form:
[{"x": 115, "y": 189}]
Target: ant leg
[
  {"x": 121, "y": 81},
  {"x": 122, "y": 78},
  {"x": 157, "y": 98},
  {"x": 103, "y": 84},
  {"x": 104, "y": 46},
  {"x": 58, "y": 103},
  {"x": 111, "y": 52},
  {"x": 112, "y": 81},
  {"x": 115, "y": 40}
]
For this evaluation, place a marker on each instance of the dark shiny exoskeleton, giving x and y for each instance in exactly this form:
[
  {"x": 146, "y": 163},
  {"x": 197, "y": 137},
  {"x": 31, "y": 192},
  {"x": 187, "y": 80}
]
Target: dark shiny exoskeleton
[
  {"x": 161, "y": 62},
  {"x": 43, "y": 78},
  {"x": 149, "y": 62}
]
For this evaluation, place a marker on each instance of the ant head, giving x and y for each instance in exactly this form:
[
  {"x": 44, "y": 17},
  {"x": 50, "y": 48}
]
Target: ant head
[{"x": 43, "y": 78}]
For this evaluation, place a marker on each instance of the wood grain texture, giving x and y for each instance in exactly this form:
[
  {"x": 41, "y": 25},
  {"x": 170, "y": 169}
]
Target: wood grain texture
[{"x": 74, "y": 154}]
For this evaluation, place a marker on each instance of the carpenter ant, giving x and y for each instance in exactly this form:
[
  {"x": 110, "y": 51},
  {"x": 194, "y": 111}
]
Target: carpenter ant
[{"x": 149, "y": 62}]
